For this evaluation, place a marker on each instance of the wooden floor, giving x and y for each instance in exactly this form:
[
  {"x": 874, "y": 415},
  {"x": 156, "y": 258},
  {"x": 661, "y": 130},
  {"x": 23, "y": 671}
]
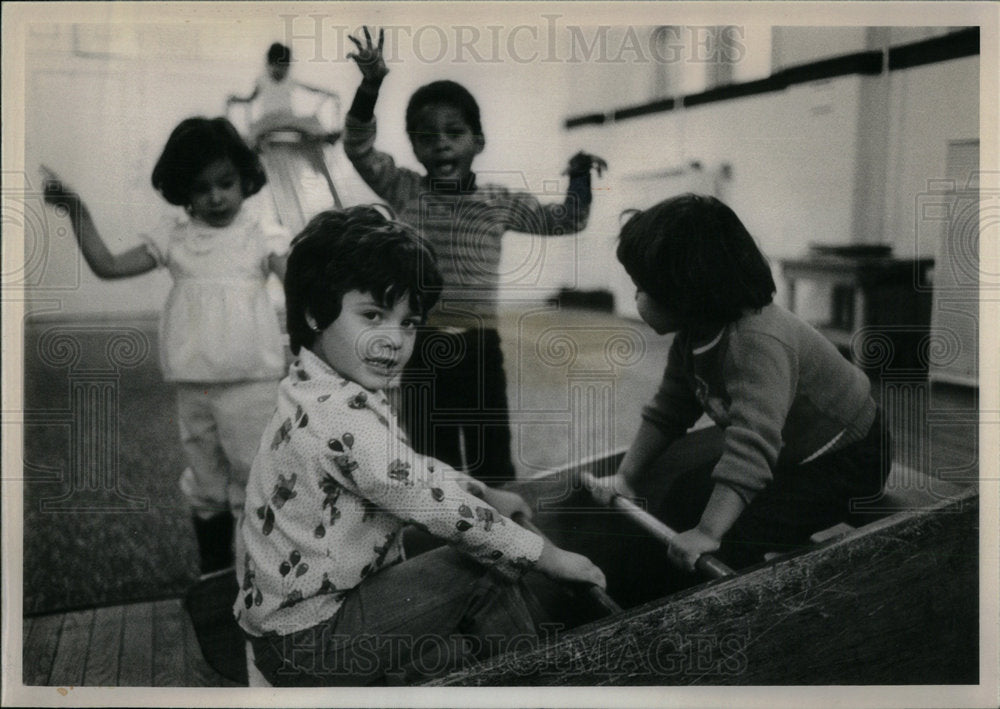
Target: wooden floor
[{"x": 136, "y": 645}]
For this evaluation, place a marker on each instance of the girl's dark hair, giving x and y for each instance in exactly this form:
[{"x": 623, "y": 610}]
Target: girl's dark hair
[
  {"x": 693, "y": 256},
  {"x": 193, "y": 145},
  {"x": 279, "y": 53},
  {"x": 358, "y": 248},
  {"x": 446, "y": 92}
]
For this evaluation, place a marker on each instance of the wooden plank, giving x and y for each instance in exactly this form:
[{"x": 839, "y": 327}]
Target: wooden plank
[
  {"x": 71, "y": 654},
  {"x": 136, "y": 668},
  {"x": 168, "y": 644},
  {"x": 105, "y": 648},
  {"x": 895, "y": 604},
  {"x": 40, "y": 643}
]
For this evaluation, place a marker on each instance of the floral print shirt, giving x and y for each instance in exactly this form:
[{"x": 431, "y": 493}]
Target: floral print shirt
[{"x": 332, "y": 486}]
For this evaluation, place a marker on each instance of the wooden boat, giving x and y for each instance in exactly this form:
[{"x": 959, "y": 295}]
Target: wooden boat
[
  {"x": 895, "y": 600},
  {"x": 891, "y": 599}
]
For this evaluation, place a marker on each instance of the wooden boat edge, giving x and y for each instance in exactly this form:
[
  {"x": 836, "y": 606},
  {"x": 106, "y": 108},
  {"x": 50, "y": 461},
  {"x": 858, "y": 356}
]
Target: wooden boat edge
[{"x": 920, "y": 560}]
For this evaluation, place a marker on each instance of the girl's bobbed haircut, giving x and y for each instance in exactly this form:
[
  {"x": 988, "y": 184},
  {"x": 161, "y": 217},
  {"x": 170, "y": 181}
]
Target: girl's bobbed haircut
[
  {"x": 279, "y": 53},
  {"x": 692, "y": 255},
  {"x": 193, "y": 145},
  {"x": 447, "y": 92},
  {"x": 361, "y": 249}
]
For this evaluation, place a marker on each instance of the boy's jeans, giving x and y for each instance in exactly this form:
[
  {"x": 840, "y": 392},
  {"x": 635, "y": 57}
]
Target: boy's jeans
[{"x": 412, "y": 621}]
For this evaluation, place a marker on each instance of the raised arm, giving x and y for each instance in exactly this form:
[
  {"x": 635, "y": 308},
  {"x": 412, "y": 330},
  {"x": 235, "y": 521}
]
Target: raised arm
[
  {"x": 579, "y": 194},
  {"x": 233, "y": 98},
  {"x": 371, "y": 62},
  {"x": 317, "y": 90},
  {"x": 102, "y": 262},
  {"x": 396, "y": 185},
  {"x": 530, "y": 216}
]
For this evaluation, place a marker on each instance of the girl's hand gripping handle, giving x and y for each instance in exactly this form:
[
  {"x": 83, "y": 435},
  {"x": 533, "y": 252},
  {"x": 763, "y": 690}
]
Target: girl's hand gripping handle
[{"x": 691, "y": 554}]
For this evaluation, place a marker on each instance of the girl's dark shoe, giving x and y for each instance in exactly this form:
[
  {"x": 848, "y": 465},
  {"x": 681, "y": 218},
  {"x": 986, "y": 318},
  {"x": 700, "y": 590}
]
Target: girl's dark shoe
[{"x": 215, "y": 541}]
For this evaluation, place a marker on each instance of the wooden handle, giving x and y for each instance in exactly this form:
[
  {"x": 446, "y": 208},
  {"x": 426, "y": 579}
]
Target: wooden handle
[
  {"x": 596, "y": 593},
  {"x": 707, "y": 564}
]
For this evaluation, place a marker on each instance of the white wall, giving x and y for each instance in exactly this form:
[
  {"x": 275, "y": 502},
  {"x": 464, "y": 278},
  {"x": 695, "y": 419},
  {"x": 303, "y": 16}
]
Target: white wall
[
  {"x": 836, "y": 161},
  {"x": 791, "y": 156},
  {"x": 930, "y": 106},
  {"x": 100, "y": 103}
]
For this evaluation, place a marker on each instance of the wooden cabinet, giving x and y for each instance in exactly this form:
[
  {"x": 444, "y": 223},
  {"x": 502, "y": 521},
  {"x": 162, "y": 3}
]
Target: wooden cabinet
[{"x": 879, "y": 309}]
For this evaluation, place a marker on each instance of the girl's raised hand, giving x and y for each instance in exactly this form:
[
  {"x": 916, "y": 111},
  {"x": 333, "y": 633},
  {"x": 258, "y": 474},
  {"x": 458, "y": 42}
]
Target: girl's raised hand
[
  {"x": 54, "y": 190},
  {"x": 582, "y": 163},
  {"x": 369, "y": 56}
]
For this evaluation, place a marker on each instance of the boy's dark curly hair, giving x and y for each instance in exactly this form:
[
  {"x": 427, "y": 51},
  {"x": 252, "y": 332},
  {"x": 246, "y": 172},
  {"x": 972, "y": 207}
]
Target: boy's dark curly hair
[
  {"x": 193, "y": 145},
  {"x": 358, "y": 248},
  {"x": 693, "y": 256},
  {"x": 450, "y": 93}
]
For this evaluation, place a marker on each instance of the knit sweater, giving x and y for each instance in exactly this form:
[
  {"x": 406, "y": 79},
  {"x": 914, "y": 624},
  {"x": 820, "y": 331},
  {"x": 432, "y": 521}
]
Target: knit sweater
[
  {"x": 465, "y": 225},
  {"x": 775, "y": 385},
  {"x": 331, "y": 488}
]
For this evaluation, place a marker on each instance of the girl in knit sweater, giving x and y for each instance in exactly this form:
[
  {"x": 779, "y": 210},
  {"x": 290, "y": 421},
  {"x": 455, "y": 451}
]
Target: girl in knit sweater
[{"x": 802, "y": 435}]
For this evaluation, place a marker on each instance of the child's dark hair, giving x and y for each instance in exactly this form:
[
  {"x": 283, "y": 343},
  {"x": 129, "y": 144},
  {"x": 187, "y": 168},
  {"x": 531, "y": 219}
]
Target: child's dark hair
[
  {"x": 358, "y": 248},
  {"x": 450, "y": 93},
  {"x": 279, "y": 53},
  {"x": 692, "y": 255},
  {"x": 193, "y": 145}
]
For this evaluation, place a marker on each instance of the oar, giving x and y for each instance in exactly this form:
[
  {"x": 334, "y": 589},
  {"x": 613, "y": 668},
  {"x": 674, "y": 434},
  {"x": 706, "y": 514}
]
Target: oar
[
  {"x": 706, "y": 564},
  {"x": 596, "y": 593}
]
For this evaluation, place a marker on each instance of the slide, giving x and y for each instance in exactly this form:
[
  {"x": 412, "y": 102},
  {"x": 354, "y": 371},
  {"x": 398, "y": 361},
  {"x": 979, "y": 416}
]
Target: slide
[{"x": 299, "y": 177}]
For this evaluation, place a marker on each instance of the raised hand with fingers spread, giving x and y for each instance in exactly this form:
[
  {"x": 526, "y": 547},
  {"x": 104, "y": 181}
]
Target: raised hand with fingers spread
[{"x": 369, "y": 57}]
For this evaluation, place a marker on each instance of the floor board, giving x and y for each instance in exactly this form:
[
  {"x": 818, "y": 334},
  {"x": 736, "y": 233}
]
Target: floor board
[
  {"x": 168, "y": 644},
  {"x": 136, "y": 645},
  {"x": 103, "y": 657},
  {"x": 41, "y": 641},
  {"x": 74, "y": 645}
]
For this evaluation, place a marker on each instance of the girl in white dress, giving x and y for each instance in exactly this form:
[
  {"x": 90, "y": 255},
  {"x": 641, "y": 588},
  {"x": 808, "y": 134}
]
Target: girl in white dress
[{"x": 220, "y": 340}]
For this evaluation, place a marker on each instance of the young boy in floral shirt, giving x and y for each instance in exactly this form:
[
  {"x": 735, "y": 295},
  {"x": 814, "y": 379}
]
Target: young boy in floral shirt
[{"x": 326, "y": 596}]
